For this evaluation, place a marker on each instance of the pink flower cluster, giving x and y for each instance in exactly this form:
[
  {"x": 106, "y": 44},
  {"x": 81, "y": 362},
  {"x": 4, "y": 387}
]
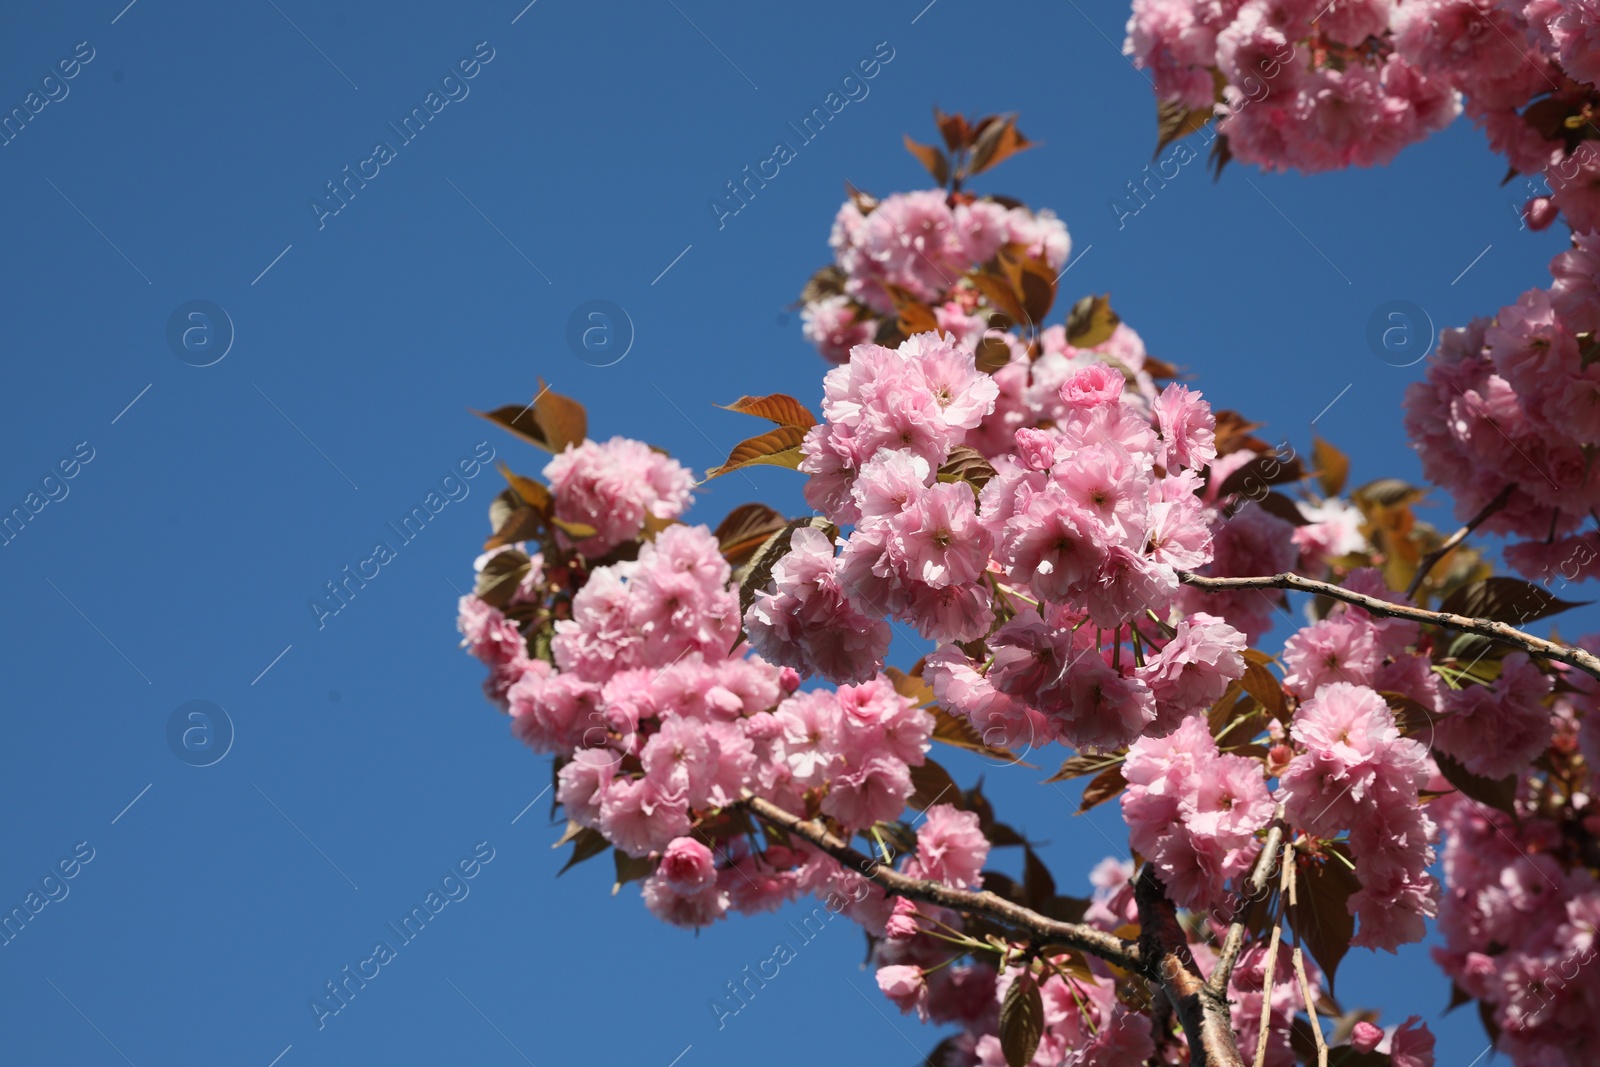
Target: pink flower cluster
[
  {"x": 1194, "y": 812},
  {"x": 924, "y": 241},
  {"x": 613, "y": 487},
  {"x": 1519, "y": 923},
  {"x": 1304, "y": 84},
  {"x": 1516, "y": 401},
  {"x": 1356, "y": 772}
]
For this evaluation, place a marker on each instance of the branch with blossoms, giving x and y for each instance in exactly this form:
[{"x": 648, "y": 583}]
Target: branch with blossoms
[{"x": 1095, "y": 552}]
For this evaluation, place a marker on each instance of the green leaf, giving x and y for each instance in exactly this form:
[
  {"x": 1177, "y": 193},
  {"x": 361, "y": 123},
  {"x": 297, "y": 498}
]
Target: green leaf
[
  {"x": 1175, "y": 119},
  {"x": 1504, "y": 599},
  {"x": 1021, "y": 1021},
  {"x": 586, "y": 845}
]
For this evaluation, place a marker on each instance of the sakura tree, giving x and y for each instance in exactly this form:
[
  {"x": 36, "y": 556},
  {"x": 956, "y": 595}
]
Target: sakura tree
[{"x": 1096, "y": 554}]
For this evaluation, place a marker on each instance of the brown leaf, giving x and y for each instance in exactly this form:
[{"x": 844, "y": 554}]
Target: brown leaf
[
  {"x": 933, "y": 785},
  {"x": 1091, "y": 322},
  {"x": 1101, "y": 788},
  {"x": 966, "y": 465},
  {"x": 998, "y": 141},
  {"x": 993, "y": 353},
  {"x": 533, "y": 493},
  {"x": 1504, "y": 599},
  {"x": 1333, "y": 466},
  {"x": 909, "y": 685},
  {"x": 758, "y": 572},
  {"x": 746, "y": 529},
  {"x": 1260, "y": 683},
  {"x": 551, "y": 421},
  {"x": 1079, "y": 766},
  {"x": 930, "y": 157},
  {"x": 578, "y": 531},
  {"x": 953, "y": 128},
  {"x": 587, "y": 844},
  {"x": 1499, "y": 794},
  {"x": 520, "y": 524},
  {"x": 1284, "y": 508},
  {"x": 829, "y": 281},
  {"x": 1037, "y": 882},
  {"x": 1175, "y": 119},
  {"x": 1233, "y": 433},
  {"x": 1001, "y": 294},
  {"x": 1021, "y": 1021},
  {"x": 950, "y": 730},
  {"x": 777, "y": 407},
  {"x": 501, "y": 575},
  {"x": 1264, "y": 470},
  {"x": 630, "y": 869},
  {"x": 778, "y": 448}
]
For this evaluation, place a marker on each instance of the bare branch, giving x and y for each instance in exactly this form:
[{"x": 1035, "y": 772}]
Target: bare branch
[
  {"x": 1114, "y": 950},
  {"x": 1584, "y": 661},
  {"x": 1165, "y": 949},
  {"x": 1427, "y": 562}
]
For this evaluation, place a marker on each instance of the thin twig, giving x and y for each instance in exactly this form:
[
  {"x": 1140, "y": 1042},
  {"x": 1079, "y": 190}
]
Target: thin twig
[
  {"x": 1427, "y": 562},
  {"x": 1311, "y": 1008},
  {"x": 1270, "y": 973},
  {"x": 1124, "y": 954},
  {"x": 1233, "y": 941},
  {"x": 1584, "y": 661}
]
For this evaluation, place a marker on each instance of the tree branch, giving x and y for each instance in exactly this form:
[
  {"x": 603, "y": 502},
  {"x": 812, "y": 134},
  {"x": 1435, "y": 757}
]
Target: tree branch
[
  {"x": 1165, "y": 949},
  {"x": 1114, "y": 950},
  {"x": 1427, "y": 562},
  {"x": 1586, "y": 662},
  {"x": 1233, "y": 942}
]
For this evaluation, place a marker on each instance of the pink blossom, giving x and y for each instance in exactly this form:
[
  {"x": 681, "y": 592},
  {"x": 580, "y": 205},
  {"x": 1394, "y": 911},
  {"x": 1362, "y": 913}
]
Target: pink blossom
[
  {"x": 1187, "y": 427},
  {"x": 905, "y": 986},
  {"x": 1498, "y": 730},
  {"x": 950, "y": 847},
  {"x": 686, "y": 866},
  {"x": 613, "y": 486}
]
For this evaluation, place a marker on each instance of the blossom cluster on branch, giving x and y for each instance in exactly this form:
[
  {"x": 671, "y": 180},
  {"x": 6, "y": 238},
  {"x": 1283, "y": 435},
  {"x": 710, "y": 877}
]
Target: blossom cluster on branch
[{"x": 1059, "y": 516}]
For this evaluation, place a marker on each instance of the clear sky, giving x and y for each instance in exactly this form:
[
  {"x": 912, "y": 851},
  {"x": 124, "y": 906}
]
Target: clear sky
[{"x": 180, "y": 163}]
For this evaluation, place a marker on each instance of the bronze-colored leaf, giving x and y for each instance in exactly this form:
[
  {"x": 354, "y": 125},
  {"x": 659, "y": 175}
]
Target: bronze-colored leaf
[
  {"x": 1001, "y": 294},
  {"x": 909, "y": 685},
  {"x": 1037, "y": 881},
  {"x": 1091, "y": 322},
  {"x": 1284, "y": 508},
  {"x": 578, "y": 531},
  {"x": 630, "y": 869},
  {"x": 1499, "y": 794},
  {"x": 1260, "y": 683},
  {"x": 758, "y": 572},
  {"x": 865, "y": 203},
  {"x": 829, "y": 281},
  {"x": 1264, "y": 470},
  {"x": 1175, "y": 119},
  {"x": 953, "y": 128},
  {"x": 586, "y": 844},
  {"x": 746, "y": 529},
  {"x": 521, "y": 524},
  {"x": 937, "y": 163},
  {"x": 551, "y": 421},
  {"x": 993, "y": 353},
  {"x": 533, "y": 493},
  {"x": 1037, "y": 284},
  {"x": 1080, "y": 765},
  {"x": 997, "y": 141},
  {"x": 932, "y": 785},
  {"x": 1333, "y": 466},
  {"x": 777, "y": 407},
  {"x": 1101, "y": 788},
  {"x": 966, "y": 465},
  {"x": 1504, "y": 599},
  {"x": 1233, "y": 433},
  {"x": 501, "y": 575},
  {"x": 778, "y": 448},
  {"x": 1021, "y": 1021},
  {"x": 958, "y": 732},
  {"x": 1388, "y": 492}
]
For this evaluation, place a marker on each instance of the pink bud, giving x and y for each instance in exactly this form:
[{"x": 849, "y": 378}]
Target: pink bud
[
  {"x": 1539, "y": 213},
  {"x": 1365, "y": 1037}
]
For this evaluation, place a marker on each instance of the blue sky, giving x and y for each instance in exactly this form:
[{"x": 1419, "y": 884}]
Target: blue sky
[{"x": 579, "y": 162}]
